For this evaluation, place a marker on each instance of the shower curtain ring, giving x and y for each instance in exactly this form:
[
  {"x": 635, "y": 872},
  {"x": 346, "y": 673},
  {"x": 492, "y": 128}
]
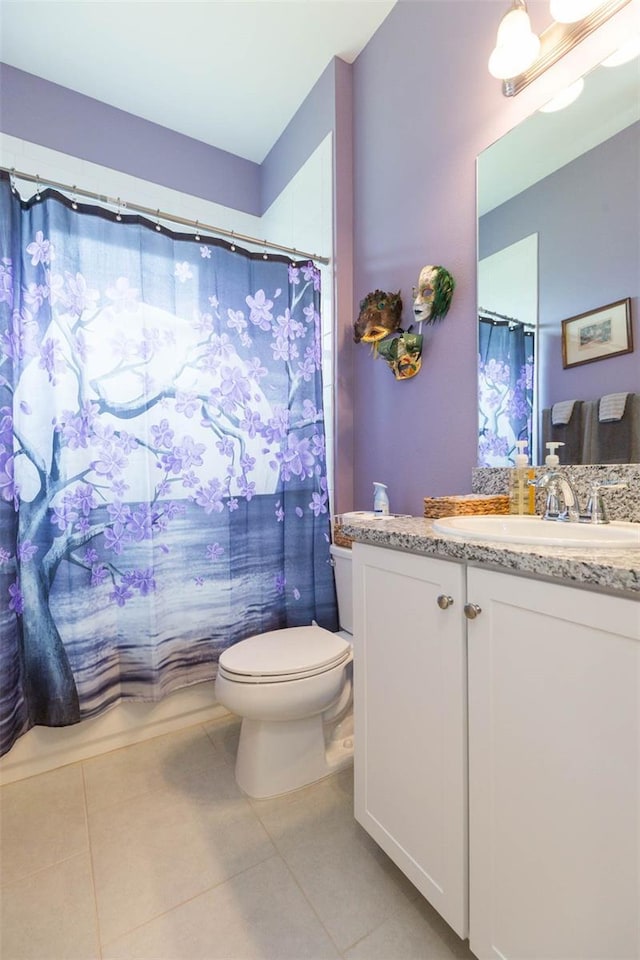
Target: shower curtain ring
[
  {"x": 158, "y": 225},
  {"x": 265, "y": 255},
  {"x": 38, "y": 197},
  {"x": 74, "y": 202},
  {"x": 118, "y": 214},
  {"x": 233, "y": 246},
  {"x": 12, "y": 179}
]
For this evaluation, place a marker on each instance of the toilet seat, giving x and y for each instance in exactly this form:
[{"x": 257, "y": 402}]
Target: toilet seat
[{"x": 284, "y": 655}]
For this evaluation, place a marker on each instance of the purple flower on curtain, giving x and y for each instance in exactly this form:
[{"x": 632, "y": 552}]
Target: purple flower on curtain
[
  {"x": 183, "y": 271},
  {"x": 41, "y": 250},
  {"x": 6, "y": 281},
  {"x": 210, "y": 497},
  {"x": 16, "y": 603},
  {"x": 260, "y": 310},
  {"x": 27, "y": 551},
  {"x": 214, "y": 551},
  {"x": 8, "y": 487}
]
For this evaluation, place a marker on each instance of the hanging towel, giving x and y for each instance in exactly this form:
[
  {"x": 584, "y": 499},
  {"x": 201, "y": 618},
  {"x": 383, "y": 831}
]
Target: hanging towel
[
  {"x": 612, "y": 407},
  {"x": 570, "y": 433},
  {"x": 614, "y": 435},
  {"x": 561, "y": 412},
  {"x": 590, "y": 453}
]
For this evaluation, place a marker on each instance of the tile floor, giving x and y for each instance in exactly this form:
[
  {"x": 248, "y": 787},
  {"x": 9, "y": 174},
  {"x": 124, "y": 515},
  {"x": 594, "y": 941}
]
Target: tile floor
[{"x": 153, "y": 852}]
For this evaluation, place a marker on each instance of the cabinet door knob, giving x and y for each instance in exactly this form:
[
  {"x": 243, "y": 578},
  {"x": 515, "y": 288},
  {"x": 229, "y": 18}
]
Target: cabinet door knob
[
  {"x": 471, "y": 610},
  {"x": 444, "y": 602}
]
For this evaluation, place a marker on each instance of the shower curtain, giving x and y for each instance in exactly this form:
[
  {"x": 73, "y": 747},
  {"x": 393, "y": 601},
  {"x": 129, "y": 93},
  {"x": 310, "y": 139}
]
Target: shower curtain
[
  {"x": 506, "y": 365},
  {"x": 163, "y": 489}
]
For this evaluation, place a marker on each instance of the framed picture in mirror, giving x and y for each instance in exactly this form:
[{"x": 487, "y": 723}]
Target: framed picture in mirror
[{"x": 597, "y": 334}]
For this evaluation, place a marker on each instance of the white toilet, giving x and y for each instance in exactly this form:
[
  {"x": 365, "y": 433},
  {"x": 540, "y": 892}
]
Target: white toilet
[{"x": 293, "y": 690}]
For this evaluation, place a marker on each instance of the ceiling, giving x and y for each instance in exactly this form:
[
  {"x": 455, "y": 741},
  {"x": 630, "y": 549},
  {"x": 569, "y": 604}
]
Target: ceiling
[{"x": 231, "y": 73}]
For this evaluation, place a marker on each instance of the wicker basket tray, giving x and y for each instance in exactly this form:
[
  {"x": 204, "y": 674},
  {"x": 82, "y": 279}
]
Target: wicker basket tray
[
  {"x": 339, "y": 538},
  {"x": 465, "y": 505}
]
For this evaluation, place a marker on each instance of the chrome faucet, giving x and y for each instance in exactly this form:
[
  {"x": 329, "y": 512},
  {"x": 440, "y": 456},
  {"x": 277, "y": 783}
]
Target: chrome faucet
[
  {"x": 562, "y": 499},
  {"x": 596, "y": 511}
]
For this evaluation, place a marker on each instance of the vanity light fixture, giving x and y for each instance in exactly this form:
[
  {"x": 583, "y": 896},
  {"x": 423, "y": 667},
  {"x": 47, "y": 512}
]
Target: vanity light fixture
[
  {"x": 517, "y": 46},
  {"x": 514, "y": 60}
]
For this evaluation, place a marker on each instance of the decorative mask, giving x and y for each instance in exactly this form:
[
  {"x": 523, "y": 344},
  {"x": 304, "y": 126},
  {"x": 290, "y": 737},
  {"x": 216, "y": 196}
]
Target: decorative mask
[
  {"x": 403, "y": 354},
  {"x": 379, "y": 316},
  {"x": 432, "y": 296}
]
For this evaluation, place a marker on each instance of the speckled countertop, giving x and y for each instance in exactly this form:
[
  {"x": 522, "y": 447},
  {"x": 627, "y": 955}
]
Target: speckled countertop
[{"x": 612, "y": 571}]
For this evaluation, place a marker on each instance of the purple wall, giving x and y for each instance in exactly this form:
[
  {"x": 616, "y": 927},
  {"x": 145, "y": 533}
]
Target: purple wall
[
  {"x": 424, "y": 107},
  {"x": 61, "y": 119},
  {"x": 589, "y": 255}
]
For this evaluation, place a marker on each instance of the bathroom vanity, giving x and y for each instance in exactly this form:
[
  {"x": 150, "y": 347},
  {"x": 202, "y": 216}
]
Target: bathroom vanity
[{"x": 497, "y": 713}]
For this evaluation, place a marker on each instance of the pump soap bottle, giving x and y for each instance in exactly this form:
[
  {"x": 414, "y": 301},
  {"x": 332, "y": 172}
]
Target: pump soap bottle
[
  {"x": 380, "y": 499},
  {"x": 552, "y": 460},
  {"x": 519, "y": 501}
]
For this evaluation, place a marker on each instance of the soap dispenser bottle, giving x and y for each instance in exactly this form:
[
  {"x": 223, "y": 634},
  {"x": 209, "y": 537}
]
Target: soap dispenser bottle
[
  {"x": 552, "y": 459},
  {"x": 519, "y": 501},
  {"x": 380, "y": 499}
]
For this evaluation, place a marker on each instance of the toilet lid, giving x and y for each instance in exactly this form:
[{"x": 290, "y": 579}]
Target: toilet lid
[{"x": 294, "y": 651}]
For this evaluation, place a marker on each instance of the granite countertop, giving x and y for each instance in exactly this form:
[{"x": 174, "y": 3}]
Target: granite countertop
[{"x": 613, "y": 571}]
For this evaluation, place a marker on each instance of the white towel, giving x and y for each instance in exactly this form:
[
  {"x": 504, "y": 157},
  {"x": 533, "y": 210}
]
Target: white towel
[
  {"x": 612, "y": 407},
  {"x": 561, "y": 412}
]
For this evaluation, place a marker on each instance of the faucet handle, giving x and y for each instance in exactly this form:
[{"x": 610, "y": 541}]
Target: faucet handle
[{"x": 596, "y": 511}]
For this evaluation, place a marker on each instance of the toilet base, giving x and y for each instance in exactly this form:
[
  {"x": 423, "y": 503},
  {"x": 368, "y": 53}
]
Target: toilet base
[{"x": 278, "y": 757}]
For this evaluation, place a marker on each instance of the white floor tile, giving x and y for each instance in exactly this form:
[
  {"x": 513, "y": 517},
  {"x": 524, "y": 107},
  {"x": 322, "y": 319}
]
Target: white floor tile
[
  {"x": 51, "y": 914},
  {"x": 174, "y": 761},
  {"x": 160, "y": 849},
  {"x": 352, "y": 884},
  {"x": 414, "y": 932},
  {"x": 42, "y": 821},
  {"x": 259, "y": 915}
]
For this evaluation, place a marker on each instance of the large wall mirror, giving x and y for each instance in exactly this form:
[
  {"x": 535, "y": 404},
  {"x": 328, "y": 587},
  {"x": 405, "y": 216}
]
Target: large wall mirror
[{"x": 558, "y": 240}]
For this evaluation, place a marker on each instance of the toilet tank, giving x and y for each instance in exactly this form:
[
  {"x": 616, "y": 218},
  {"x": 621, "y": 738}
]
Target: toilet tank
[{"x": 341, "y": 557}]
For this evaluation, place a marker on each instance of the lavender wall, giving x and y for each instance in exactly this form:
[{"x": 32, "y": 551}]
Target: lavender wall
[
  {"x": 589, "y": 255},
  {"x": 61, "y": 119},
  {"x": 424, "y": 107}
]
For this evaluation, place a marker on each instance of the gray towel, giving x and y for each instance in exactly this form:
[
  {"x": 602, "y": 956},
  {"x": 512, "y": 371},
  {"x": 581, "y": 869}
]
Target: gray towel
[
  {"x": 571, "y": 434},
  {"x": 615, "y": 441},
  {"x": 590, "y": 432}
]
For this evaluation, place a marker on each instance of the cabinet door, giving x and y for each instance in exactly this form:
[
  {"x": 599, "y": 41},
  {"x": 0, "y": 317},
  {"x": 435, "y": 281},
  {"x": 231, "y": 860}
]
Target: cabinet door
[
  {"x": 554, "y": 767},
  {"x": 410, "y": 720}
]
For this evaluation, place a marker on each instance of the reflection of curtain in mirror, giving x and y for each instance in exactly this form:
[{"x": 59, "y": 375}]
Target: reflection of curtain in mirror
[{"x": 505, "y": 390}]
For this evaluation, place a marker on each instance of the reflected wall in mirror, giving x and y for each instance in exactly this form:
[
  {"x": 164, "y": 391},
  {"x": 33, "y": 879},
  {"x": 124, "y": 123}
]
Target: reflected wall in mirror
[{"x": 572, "y": 180}]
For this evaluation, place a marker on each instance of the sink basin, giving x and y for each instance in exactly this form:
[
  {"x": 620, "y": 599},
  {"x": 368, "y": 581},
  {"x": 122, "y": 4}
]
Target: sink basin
[{"x": 534, "y": 530}]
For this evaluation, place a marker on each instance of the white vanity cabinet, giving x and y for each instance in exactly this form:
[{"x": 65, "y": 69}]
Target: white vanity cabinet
[
  {"x": 554, "y": 771},
  {"x": 537, "y": 698},
  {"x": 410, "y": 719}
]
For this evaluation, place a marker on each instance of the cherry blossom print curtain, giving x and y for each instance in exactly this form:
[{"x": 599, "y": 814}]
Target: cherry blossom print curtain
[
  {"x": 162, "y": 462},
  {"x": 506, "y": 365}
]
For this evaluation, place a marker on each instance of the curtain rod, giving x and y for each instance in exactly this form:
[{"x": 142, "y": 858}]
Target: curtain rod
[{"x": 158, "y": 214}]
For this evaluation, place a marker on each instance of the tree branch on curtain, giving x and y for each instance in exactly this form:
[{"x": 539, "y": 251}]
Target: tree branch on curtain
[{"x": 162, "y": 459}]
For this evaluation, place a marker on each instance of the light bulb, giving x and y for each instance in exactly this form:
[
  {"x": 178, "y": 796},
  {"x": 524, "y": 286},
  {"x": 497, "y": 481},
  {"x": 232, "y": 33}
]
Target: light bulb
[
  {"x": 570, "y": 11},
  {"x": 516, "y": 45},
  {"x": 564, "y": 98}
]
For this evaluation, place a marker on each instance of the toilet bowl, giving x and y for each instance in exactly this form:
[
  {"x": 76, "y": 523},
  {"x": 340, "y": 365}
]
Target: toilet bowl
[{"x": 292, "y": 688}]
